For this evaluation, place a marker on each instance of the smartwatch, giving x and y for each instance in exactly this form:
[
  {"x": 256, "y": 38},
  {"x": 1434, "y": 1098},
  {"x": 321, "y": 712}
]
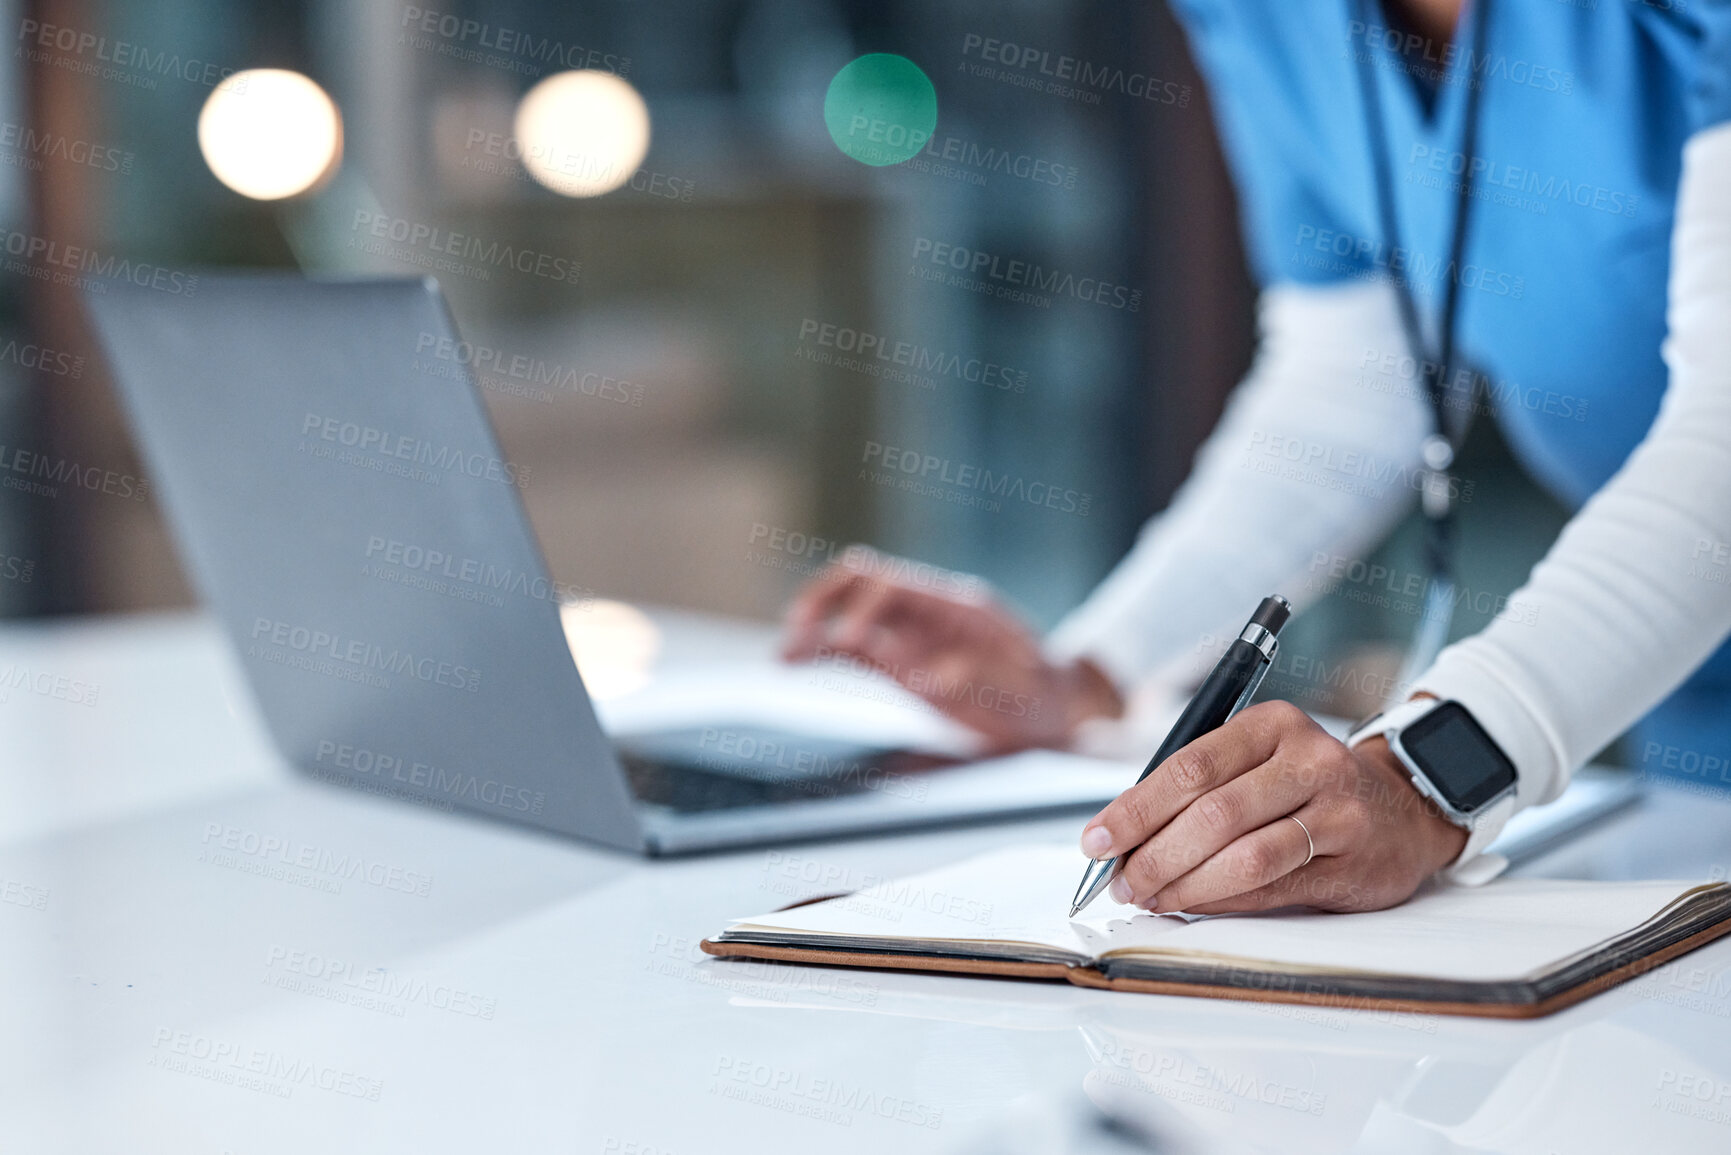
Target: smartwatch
[{"x": 1452, "y": 762}]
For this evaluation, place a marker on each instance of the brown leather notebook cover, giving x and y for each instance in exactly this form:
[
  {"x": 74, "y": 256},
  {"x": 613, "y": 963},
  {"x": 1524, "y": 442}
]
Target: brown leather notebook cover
[{"x": 1091, "y": 976}]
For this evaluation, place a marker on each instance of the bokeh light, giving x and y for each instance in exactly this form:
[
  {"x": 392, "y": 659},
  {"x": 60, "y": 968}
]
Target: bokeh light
[
  {"x": 269, "y": 133},
  {"x": 880, "y": 109},
  {"x": 582, "y": 133}
]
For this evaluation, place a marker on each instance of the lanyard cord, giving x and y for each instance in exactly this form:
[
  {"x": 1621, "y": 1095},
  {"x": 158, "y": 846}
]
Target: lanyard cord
[{"x": 1437, "y": 371}]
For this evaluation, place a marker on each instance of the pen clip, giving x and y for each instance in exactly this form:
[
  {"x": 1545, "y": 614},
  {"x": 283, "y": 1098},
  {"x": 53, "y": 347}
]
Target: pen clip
[{"x": 1267, "y": 646}]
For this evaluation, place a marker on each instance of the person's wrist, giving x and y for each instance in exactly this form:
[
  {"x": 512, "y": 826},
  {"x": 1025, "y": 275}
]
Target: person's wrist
[
  {"x": 1088, "y": 694},
  {"x": 1439, "y": 841}
]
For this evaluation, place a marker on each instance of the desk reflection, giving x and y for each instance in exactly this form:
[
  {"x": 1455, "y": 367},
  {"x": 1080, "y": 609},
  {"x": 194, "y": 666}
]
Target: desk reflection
[{"x": 1644, "y": 1068}]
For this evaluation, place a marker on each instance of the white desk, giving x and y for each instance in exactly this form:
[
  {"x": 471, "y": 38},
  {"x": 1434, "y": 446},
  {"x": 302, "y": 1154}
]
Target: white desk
[{"x": 163, "y": 995}]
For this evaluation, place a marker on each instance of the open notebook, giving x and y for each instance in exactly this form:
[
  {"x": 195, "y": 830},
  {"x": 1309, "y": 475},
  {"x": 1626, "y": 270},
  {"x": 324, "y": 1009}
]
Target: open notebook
[{"x": 1514, "y": 948}]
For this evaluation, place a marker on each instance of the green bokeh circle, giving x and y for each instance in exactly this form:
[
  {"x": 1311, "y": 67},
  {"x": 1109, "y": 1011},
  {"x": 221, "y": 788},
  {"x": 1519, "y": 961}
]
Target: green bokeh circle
[{"x": 880, "y": 109}]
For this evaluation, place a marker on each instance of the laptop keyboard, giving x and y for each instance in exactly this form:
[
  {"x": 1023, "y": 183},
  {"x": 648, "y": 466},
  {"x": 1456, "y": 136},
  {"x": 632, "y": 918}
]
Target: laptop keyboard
[{"x": 723, "y": 768}]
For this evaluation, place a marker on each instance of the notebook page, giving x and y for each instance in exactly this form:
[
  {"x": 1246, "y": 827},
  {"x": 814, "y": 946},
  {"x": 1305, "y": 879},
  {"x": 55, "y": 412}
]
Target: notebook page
[
  {"x": 1504, "y": 930},
  {"x": 1019, "y": 894},
  {"x": 1507, "y": 929}
]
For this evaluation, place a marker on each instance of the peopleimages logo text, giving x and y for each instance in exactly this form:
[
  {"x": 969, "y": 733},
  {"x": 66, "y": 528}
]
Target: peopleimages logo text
[
  {"x": 28, "y": 355},
  {"x": 42, "y": 257},
  {"x": 1447, "y": 62},
  {"x": 1520, "y": 179},
  {"x": 1025, "y": 275},
  {"x": 744, "y": 754},
  {"x": 367, "y": 439},
  {"x": 336, "y": 866},
  {"x": 343, "y": 981},
  {"x": 532, "y": 372},
  {"x": 918, "y": 358},
  {"x": 987, "y": 158},
  {"x": 37, "y": 39},
  {"x": 27, "y": 463},
  {"x": 471, "y": 571},
  {"x": 32, "y": 145},
  {"x": 462, "y": 32},
  {"x": 47, "y": 684},
  {"x": 1083, "y": 73},
  {"x": 929, "y": 468},
  {"x": 255, "y": 1068},
  {"x": 1370, "y": 258},
  {"x": 1345, "y": 470},
  {"x": 467, "y": 247},
  {"x": 454, "y": 783},
  {"x": 363, "y": 655},
  {"x": 861, "y": 560},
  {"x": 504, "y": 155}
]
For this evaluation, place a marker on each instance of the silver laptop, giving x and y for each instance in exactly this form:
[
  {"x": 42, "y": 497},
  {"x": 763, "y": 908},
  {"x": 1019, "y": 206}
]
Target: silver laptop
[{"x": 354, "y": 524}]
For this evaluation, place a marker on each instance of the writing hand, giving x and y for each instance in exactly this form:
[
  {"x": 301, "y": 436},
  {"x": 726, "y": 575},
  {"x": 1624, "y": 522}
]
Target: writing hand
[{"x": 1210, "y": 834}]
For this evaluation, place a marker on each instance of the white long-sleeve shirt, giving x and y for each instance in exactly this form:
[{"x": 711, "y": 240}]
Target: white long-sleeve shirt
[{"x": 1317, "y": 456}]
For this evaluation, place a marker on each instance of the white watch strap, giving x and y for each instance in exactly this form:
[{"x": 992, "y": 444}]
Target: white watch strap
[
  {"x": 1393, "y": 718},
  {"x": 1474, "y": 867}
]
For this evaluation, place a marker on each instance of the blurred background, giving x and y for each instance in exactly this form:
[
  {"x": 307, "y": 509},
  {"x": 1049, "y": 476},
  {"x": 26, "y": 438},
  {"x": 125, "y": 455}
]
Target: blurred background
[{"x": 689, "y": 394}]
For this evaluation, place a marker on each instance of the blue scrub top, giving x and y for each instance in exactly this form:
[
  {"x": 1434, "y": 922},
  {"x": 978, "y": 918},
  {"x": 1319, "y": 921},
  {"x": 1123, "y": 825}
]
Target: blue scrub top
[{"x": 1583, "y": 112}]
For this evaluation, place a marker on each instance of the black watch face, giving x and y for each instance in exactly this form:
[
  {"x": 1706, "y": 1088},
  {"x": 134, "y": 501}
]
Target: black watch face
[{"x": 1459, "y": 758}]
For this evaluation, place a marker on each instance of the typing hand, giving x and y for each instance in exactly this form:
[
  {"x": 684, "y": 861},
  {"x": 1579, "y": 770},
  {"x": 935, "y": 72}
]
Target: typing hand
[
  {"x": 1211, "y": 834},
  {"x": 950, "y": 643}
]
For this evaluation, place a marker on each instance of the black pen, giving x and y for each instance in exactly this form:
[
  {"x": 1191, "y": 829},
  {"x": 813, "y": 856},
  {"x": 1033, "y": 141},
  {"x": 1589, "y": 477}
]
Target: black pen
[{"x": 1227, "y": 690}]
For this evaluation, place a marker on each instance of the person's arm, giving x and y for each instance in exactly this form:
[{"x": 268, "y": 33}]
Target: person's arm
[
  {"x": 1323, "y": 329},
  {"x": 1624, "y": 614},
  {"x": 1315, "y": 458},
  {"x": 1625, "y": 604}
]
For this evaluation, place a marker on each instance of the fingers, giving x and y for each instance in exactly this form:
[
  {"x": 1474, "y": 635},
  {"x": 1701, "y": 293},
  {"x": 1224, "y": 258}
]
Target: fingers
[
  {"x": 806, "y": 623},
  {"x": 1211, "y": 761},
  {"x": 1250, "y": 863},
  {"x": 1217, "y": 822},
  {"x": 1325, "y": 884},
  {"x": 968, "y": 657},
  {"x": 1312, "y": 885},
  {"x": 1369, "y": 853},
  {"x": 843, "y": 610},
  {"x": 871, "y": 610}
]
